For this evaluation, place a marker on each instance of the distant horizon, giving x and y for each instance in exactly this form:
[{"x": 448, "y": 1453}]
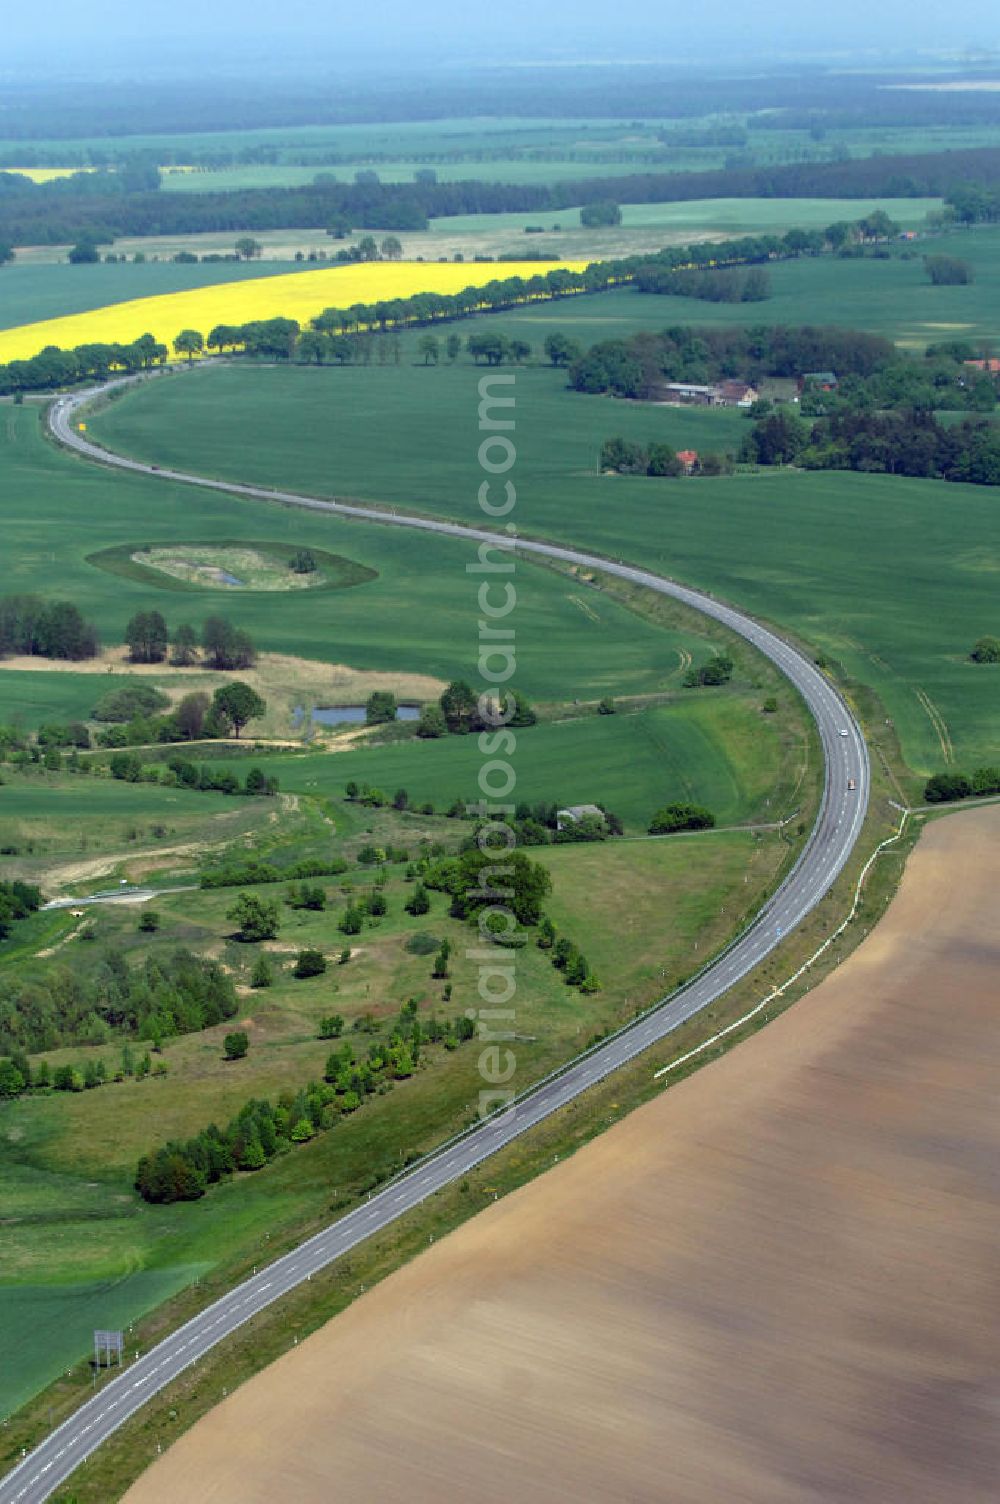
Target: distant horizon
[{"x": 226, "y": 38}]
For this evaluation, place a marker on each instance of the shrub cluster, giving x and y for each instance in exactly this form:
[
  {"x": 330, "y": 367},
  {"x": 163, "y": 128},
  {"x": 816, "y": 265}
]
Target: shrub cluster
[
  {"x": 460, "y": 712},
  {"x": 476, "y": 879},
  {"x": 538, "y": 825},
  {"x": 224, "y": 646},
  {"x": 674, "y": 817},
  {"x": 17, "y": 901},
  {"x": 45, "y": 629},
  {"x": 718, "y": 670},
  {"x": 181, "y": 774},
  {"x": 912, "y": 443},
  {"x": 986, "y": 650},
  {"x": 567, "y": 958},
  {"x": 17, "y": 1075},
  {"x": 944, "y": 788},
  {"x": 753, "y": 286},
  {"x": 183, "y": 1170},
  {"x": 371, "y": 906},
  {"x": 625, "y": 457},
  {"x": 176, "y": 993}
]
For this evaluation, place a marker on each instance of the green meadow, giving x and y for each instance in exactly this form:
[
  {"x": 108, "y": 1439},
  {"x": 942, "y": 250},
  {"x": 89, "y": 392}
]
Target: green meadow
[
  {"x": 418, "y": 615},
  {"x": 81, "y": 1249},
  {"x": 892, "y": 297},
  {"x": 894, "y": 579},
  {"x": 49, "y": 1325},
  {"x": 707, "y": 747},
  {"x": 703, "y": 217},
  {"x": 77, "y": 828}
]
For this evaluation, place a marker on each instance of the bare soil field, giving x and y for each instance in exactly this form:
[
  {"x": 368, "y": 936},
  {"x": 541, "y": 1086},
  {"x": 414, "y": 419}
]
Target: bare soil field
[{"x": 775, "y": 1284}]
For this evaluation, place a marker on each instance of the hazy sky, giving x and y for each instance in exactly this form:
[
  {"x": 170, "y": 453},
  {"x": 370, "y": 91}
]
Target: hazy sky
[{"x": 92, "y": 36}]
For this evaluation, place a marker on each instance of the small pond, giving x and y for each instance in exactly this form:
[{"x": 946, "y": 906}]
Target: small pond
[
  {"x": 225, "y": 578},
  {"x": 353, "y": 715}
]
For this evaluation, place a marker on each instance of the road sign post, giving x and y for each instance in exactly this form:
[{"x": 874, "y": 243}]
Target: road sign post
[{"x": 106, "y": 1344}]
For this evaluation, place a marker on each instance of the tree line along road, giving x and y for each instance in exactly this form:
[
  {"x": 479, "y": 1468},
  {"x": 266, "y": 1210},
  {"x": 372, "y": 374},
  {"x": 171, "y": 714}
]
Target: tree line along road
[{"x": 833, "y": 837}]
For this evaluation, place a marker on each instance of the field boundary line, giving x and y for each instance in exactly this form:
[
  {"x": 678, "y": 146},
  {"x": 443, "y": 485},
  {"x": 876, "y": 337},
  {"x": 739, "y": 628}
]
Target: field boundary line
[{"x": 938, "y": 721}]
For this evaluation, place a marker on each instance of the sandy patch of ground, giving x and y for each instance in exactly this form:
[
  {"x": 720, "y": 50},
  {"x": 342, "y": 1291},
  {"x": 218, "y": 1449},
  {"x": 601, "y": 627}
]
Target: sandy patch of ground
[
  {"x": 339, "y": 680},
  {"x": 50, "y": 950},
  {"x": 68, "y": 873},
  {"x": 775, "y": 1284}
]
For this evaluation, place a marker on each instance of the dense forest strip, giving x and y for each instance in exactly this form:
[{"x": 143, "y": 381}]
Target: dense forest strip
[
  {"x": 94, "y": 206},
  {"x": 801, "y": 99}
]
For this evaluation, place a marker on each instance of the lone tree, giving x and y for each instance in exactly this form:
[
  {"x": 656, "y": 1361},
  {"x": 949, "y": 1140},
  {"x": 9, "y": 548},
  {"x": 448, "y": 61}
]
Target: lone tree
[
  {"x": 986, "y": 650},
  {"x": 147, "y": 637},
  {"x": 560, "y": 349},
  {"x": 948, "y": 271},
  {"x": 189, "y": 342},
  {"x": 190, "y": 715},
  {"x": 184, "y": 646},
  {"x": 432, "y": 722},
  {"x": 227, "y": 646},
  {"x": 429, "y": 347},
  {"x": 595, "y": 216},
  {"x": 460, "y": 707},
  {"x": 310, "y": 963},
  {"x": 255, "y": 918},
  {"x": 262, "y": 974},
  {"x": 84, "y": 253},
  {"x": 247, "y": 248},
  {"x": 380, "y": 707},
  {"x": 238, "y": 703},
  {"x": 236, "y": 1045}
]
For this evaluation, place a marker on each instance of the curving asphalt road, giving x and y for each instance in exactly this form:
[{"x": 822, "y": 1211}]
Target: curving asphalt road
[{"x": 833, "y": 837}]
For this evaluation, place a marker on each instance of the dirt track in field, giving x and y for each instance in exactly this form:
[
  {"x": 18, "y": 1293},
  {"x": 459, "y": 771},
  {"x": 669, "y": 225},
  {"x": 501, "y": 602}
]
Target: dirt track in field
[{"x": 776, "y": 1284}]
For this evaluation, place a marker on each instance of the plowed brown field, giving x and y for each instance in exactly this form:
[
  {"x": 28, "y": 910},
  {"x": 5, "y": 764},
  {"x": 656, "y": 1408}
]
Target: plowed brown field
[{"x": 777, "y": 1283}]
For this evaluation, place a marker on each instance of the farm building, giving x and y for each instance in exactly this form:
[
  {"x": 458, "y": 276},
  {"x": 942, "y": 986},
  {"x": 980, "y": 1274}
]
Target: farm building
[
  {"x": 689, "y": 393},
  {"x": 825, "y": 380},
  {"x": 688, "y": 458},
  {"x": 737, "y": 394},
  {"x": 574, "y": 813},
  {"x": 991, "y": 366}
]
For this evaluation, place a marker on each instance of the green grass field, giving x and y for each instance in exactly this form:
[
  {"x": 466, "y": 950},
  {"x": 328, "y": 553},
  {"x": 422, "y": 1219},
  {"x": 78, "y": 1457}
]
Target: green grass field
[
  {"x": 892, "y": 297},
  {"x": 419, "y": 615},
  {"x": 708, "y": 748},
  {"x": 513, "y": 170},
  {"x": 47, "y": 1326},
  {"x": 705, "y": 216},
  {"x": 893, "y": 578}
]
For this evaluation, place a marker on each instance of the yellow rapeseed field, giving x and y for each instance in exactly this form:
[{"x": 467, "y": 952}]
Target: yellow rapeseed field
[
  {"x": 46, "y": 174},
  {"x": 294, "y": 295}
]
